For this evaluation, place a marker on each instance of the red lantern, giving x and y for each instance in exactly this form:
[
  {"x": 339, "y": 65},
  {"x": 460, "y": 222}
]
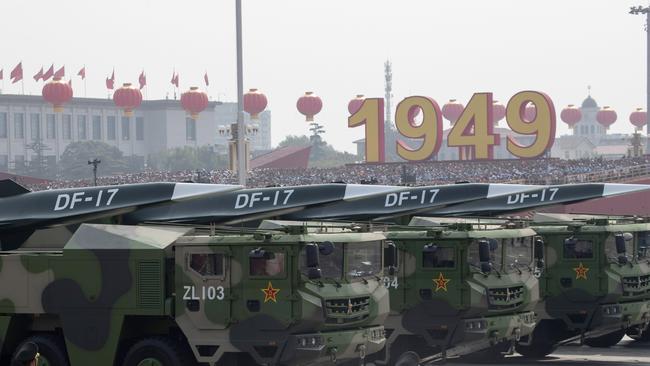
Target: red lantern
[
  {"x": 571, "y": 115},
  {"x": 452, "y": 110},
  {"x": 309, "y": 105},
  {"x": 606, "y": 116},
  {"x": 498, "y": 112},
  {"x": 194, "y": 101},
  {"x": 530, "y": 112},
  {"x": 254, "y": 103},
  {"x": 58, "y": 93},
  {"x": 355, "y": 104},
  {"x": 128, "y": 98},
  {"x": 639, "y": 118}
]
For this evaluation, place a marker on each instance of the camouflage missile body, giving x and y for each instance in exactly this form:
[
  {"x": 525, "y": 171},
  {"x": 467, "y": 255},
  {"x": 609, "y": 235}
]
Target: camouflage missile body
[
  {"x": 171, "y": 296},
  {"x": 595, "y": 285},
  {"x": 442, "y": 302}
]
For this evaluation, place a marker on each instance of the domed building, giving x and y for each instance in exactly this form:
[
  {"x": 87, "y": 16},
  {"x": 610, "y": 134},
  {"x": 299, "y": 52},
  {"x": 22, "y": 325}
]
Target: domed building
[{"x": 590, "y": 139}]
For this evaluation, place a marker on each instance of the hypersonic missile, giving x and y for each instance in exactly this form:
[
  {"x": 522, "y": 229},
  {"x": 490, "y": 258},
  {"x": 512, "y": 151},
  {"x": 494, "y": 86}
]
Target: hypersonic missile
[
  {"x": 538, "y": 197},
  {"x": 21, "y": 211},
  {"x": 251, "y": 204},
  {"x": 321, "y": 201}
]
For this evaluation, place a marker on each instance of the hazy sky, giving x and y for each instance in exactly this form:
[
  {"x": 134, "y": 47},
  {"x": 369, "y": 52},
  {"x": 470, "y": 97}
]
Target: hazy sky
[{"x": 442, "y": 49}]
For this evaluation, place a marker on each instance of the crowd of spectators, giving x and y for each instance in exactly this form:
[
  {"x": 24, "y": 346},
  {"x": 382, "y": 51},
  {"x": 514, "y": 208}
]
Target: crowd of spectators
[{"x": 442, "y": 172}]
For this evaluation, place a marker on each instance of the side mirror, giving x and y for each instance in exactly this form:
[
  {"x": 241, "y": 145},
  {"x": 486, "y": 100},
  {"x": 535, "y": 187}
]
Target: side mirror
[
  {"x": 311, "y": 250},
  {"x": 620, "y": 243},
  {"x": 326, "y": 248},
  {"x": 390, "y": 255},
  {"x": 259, "y": 253},
  {"x": 538, "y": 254},
  {"x": 538, "y": 250},
  {"x": 570, "y": 245},
  {"x": 484, "y": 249}
]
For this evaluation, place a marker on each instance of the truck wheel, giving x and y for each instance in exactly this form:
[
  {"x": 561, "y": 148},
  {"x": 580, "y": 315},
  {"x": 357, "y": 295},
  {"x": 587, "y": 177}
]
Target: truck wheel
[
  {"x": 51, "y": 349},
  {"x": 494, "y": 354},
  {"x": 634, "y": 334},
  {"x": 158, "y": 351},
  {"x": 605, "y": 341}
]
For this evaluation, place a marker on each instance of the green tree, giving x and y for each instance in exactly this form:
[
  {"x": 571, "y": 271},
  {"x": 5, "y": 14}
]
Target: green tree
[
  {"x": 74, "y": 160},
  {"x": 187, "y": 158},
  {"x": 293, "y": 140}
]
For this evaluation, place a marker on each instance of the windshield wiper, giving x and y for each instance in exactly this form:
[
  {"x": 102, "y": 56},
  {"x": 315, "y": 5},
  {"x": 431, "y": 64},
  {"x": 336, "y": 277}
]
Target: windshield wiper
[
  {"x": 516, "y": 266},
  {"x": 479, "y": 269}
]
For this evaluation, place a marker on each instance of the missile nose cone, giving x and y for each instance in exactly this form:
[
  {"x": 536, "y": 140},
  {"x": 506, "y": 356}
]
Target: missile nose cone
[
  {"x": 612, "y": 189},
  {"x": 193, "y": 190}
]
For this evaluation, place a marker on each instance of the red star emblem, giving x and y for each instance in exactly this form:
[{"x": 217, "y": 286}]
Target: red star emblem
[
  {"x": 441, "y": 282},
  {"x": 270, "y": 293},
  {"x": 581, "y": 271}
]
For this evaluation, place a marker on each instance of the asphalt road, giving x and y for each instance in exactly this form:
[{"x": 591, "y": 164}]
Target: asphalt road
[{"x": 627, "y": 352}]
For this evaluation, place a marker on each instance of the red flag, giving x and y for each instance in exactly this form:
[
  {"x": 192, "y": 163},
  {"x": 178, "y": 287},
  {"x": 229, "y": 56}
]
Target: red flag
[
  {"x": 142, "y": 79},
  {"x": 82, "y": 73},
  {"x": 17, "y": 73},
  {"x": 175, "y": 79},
  {"x": 110, "y": 82},
  {"x": 205, "y": 77},
  {"x": 39, "y": 75},
  {"x": 49, "y": 73},
  {"x": 60, "y": 73}
]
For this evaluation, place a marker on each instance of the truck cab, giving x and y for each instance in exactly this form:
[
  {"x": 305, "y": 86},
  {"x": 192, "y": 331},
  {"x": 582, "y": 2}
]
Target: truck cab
[
  {"x": 457, "y": 290},
  {"x": 596, "y": 283}
]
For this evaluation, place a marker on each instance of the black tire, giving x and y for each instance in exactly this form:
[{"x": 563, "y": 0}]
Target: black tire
[
  {"x": 408, "y": 350},
  {"x": 166, "y": 351},
  {"x": 536, "y": 350},
  {"x": 606, "y": 340},
  {"x": 50, "y": 347},
  {"x": 644, "y": 337},
  {"x": 494, "y": 354}
]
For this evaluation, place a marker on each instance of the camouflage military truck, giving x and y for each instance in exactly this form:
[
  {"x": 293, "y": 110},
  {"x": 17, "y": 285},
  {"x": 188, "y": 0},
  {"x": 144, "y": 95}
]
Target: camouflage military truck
[
  {"x": 457, "y": 290},
  {"x": 596, "y": 283},
  {"x": 174, "y": 296}
]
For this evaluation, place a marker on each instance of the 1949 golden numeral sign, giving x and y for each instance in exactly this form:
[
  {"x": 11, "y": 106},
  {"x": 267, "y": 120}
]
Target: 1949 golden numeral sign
[{"x": 473, "y": 129}]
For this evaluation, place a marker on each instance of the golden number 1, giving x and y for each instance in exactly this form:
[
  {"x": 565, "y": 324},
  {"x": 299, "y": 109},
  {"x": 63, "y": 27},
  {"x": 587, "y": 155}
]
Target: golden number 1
[{"x": 371, "y": 114}]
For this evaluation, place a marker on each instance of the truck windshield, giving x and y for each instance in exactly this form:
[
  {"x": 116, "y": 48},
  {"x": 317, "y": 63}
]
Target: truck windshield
[
  {"x": 364, "y": 259},
  {"x": 643, "y": 245},
  {"x": 495, "y": 254},
  {"x": 519, "y": 252},
  {"x": 610, "y": 248}
]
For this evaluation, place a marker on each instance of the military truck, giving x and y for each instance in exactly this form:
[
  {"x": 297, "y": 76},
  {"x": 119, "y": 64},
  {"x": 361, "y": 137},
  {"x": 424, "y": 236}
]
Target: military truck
[
  {"x": 596, "y": 283},
  {"x": 454, "y": 290},
  {"x": 177, "y": 296},
  {"x": 459, "y": 289}
]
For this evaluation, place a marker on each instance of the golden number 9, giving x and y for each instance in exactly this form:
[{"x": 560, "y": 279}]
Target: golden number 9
[
  {"x": 430, "y": 130},
  {"x": 542, "y": 126}
]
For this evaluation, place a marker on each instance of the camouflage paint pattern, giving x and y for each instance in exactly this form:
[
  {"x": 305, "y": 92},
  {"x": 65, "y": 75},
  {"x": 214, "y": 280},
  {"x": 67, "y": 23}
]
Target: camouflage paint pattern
[
  {"x": 581, "y": 292},
  {"x": 450, "y": 307},
  {"x": 110, "y": 283}
]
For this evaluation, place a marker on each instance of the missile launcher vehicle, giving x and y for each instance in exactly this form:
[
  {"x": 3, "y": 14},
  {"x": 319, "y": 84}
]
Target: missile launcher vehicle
[{"x": 177, "y": 296}]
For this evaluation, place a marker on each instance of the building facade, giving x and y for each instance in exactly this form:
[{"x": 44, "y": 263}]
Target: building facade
[
  {"x": 590, "y": 139},
  {"x": 28, "y": 124}
]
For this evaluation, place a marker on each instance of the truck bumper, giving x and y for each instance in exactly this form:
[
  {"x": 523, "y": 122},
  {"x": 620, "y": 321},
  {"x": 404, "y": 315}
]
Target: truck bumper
[
  {"x": 499, "y": 328},
  {"x": 624, "y": 315},
  {"x": 329, "y": 347}
]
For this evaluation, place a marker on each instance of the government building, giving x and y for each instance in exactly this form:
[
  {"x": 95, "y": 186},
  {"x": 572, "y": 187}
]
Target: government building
[{"x": 28, "y": 125}]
